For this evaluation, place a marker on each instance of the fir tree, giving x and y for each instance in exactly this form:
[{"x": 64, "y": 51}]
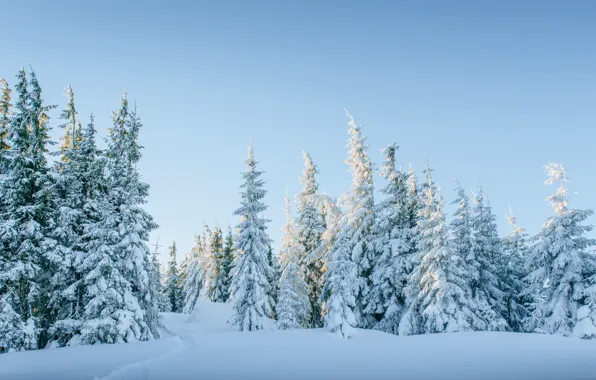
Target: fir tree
[
  {"x": 512, "y": 273},
  {"x": 310, "y": 225},
  {"x": 357, "y": 227},
  {"x": 227, "y": 263},
  {"x": 250, "y": 286},
  {"x": 394, "y": 244},
  {"x": 5, "y": 108},
  {"x": 172, "y": 284},
  {"x": 486, "y": 251},
  {"x": 214, "y": 279},
  {"x": 559, "y": 264},
  {"x": 293, "y": 307},
  {"x": 193, "y": 278},
  {"x": 26, "y": 250},
  {"x": 439, "y": 287}
]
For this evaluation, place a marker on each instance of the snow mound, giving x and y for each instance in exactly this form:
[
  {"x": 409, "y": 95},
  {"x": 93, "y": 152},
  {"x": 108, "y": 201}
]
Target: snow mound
[{"x": 203, "y": 345}]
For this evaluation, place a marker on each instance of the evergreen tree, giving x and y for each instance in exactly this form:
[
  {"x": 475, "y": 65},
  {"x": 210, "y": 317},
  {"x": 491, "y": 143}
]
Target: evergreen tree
[
  {"x": 172, "y": 285},
  {"x": 439, "y": 285},
  {"x": 214, "y": 279},
  {"x": 250, "y": 286},
  {"x": 5, "y": 108},
  {"x": 310, "y": 225},
  {"x": 193, "y": 281},
  {"x": 486, "y": 251},
  {"x": 357, "y": 227},
  {"x": 559, "y": 264},
  {"x": 274, "y": 263},
  {"x": 511, "y": 272},
  {"x": 26, "y": 221},
  {"x": 120, "y": 298},
  {"x": 227, "y": 263},
  {"x": 293, "y": 307},
  {"x": 394, "y": 244}
]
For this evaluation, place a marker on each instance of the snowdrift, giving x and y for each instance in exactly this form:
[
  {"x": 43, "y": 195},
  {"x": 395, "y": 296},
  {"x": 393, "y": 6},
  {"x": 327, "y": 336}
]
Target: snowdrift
[{"x": 203, "y": 346}]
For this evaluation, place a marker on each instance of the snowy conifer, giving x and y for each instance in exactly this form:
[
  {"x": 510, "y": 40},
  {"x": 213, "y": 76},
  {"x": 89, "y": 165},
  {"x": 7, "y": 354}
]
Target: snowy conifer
[
  {"x": 214, "y": 279},
  {"x": 26, "y": 220},
  {"x": 486, "y": 251},
  {"x": 512, "y": 274},
  {"x": 5, "y": 108},
  {"x": 394, "y": 244},
  {"x": 559, "y": 264},
  {"x": 439, "y": 288},
  {"x": 293, "y": 306},
  {"x": 250, "y": 286},
  {"x": 309, "y": 228},
  {"x": 227, "y": 263},
  {"x": 172, "y": 283},
  {"x": 193, "y": 278}
]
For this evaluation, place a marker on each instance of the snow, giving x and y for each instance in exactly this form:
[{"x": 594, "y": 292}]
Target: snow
[{"x": 203, "y": 346}]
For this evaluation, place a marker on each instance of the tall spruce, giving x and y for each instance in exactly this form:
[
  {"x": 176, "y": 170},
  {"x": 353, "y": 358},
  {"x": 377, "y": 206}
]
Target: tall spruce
[
  {"x": 486, "y": 251},
  {"x": 293, "y": 308},
  {"x": 26, "y": 190},
  {"x": 394, "y": 245},
  {"x": 560, "y": 264},
  {"x": 227, "y": 262},
  {"x": 5, "y": 109},
  {"x": 309, "y": 228},
  {"x": 172, "y": 283},
  {"x": 250, "y": 288},
  {"x": 512, "y": 274},
  {"x": 439, "y": 287},
  {"x": 193, "y": 276}
]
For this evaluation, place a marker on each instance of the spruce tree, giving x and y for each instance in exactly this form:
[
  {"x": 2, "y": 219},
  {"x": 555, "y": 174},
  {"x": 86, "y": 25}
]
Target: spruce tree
[
  {"x": 227, "y": 263},
  {"x": 5, "y": 108},
  {"x": 560, "y": 264},
  {"x": 486, "y": 251},
  {"x": 26, "y": 253},
  {"x": 293, "y": 307},
  {"x": 356, "y": 236},
  {"x": 214, "y": 278},
  {"x": 439, "y": 287},
  {"x": 193, "y": 278},
  {"x": 394, "y": 246},
  {"x": 512, "y": 274},
  {"x": 172, "y": 284},
  {"x": 250, "y": 286},
  {"x": 310, "y": 225}
]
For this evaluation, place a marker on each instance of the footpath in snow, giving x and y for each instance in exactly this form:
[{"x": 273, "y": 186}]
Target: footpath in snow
[{"x": 203, "y": 346}]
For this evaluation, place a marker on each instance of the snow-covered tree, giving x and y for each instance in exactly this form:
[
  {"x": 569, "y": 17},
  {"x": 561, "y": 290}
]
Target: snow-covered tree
[
  {"x": 227, "y": 262},
  {"x": 250, "y": 288},
  {"x": 5, "y": 108},
  {"x": 394, "y": 244},
  {"x": 439, "y": 287},
  {"x": 486, "y": 251},
  {"x": 172, "y": 283},
  {"x": 309, "y": 228},
  {"x": 214, "y": 285},
  {"x": 121, "y": 299},
  {"x": 559, "y": 264},
  {"x": 193, "y": 276},
  {"x": 512, "y": 274},
  {"x": 293, "y": 307},
  {"x": 26, "y": 220}
]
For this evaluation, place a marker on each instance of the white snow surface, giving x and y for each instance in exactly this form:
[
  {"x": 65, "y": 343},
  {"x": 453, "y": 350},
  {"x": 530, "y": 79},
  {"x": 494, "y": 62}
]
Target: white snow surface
[{"x": 203, "y": 346}]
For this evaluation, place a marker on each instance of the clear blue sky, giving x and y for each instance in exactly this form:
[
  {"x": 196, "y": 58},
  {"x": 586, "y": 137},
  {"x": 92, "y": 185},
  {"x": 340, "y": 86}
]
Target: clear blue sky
[{"x": 486, "y": 91}]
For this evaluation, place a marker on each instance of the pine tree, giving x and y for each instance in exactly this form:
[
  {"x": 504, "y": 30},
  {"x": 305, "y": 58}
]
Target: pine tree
[
  {"x": 512, "y": 273},
  {"x": 5, "y": 108},
  {"x": 293, "y": 307},
  {"x": 486, "y": 251},
  {"x": 214, "y": 279},
  {"x": 310, "y": 225},
  {"x": 250, "y": 286},
  {"x": 172, "y": 285},
  {"x": 439, "y": 285},
  {"x": 394, "y": 244},
  {"x": 559, "y": 264},
  {"x": 357, "y": 227},
  {"x": 193, "y": 279},
  {"x": 227, "y": 263},
  {"x": 121, "y": 294},
  {"x": 274, "y": 263},
  {"x": 26, "y": 222}
]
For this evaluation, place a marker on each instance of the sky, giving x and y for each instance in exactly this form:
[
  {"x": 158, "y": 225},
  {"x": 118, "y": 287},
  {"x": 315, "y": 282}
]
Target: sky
[{"x": 486, "y": 92}]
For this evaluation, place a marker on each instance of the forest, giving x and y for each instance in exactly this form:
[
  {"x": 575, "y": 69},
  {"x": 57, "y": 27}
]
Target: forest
[{"x": 76, "y": 267}]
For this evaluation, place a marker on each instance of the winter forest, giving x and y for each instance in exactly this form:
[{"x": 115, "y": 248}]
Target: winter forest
[{"x": 76, "y": 267}]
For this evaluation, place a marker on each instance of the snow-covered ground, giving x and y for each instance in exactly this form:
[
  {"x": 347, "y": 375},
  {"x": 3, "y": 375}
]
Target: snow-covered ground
[{"x": 203, "y": 346}]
